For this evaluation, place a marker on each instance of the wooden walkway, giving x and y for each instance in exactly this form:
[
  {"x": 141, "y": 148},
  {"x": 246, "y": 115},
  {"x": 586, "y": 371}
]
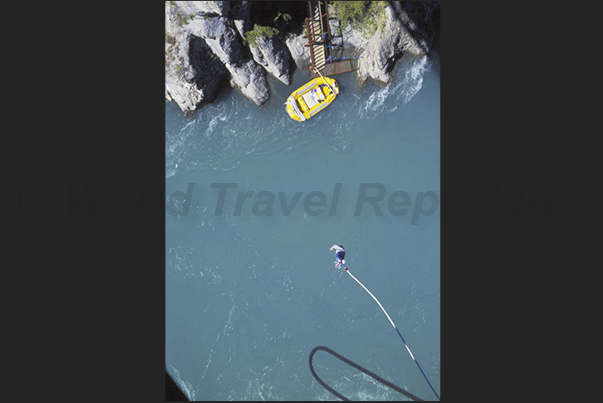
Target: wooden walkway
[
  {"x": 319, "y": 42},
  {"x": 344, "y": 66}
]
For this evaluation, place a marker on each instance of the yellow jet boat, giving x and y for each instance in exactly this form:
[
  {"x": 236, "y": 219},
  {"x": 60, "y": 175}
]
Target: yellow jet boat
[{"x": 311, "y": 98}]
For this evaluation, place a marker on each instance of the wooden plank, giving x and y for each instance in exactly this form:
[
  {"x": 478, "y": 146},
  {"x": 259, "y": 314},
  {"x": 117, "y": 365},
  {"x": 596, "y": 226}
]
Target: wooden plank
[
  {"x": 330, "y": 69},
  {"x": 319, "y": 35}
]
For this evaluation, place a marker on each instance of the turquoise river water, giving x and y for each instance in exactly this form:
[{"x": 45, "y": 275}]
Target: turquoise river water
[{"x": 255, "y": 200}]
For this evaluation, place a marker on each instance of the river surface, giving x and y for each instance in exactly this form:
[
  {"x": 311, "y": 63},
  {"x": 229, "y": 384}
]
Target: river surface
[{"x": 255, "y": 199}]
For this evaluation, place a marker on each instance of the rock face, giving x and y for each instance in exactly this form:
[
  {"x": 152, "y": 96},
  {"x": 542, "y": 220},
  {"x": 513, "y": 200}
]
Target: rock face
[
  {"x": 192, "y": 75},
  {"x": 386, "y": 46},
  {"x": 220, "y": 8},
  {"x": 202, "y": 50},
  {"x": 299, "y": 53},
  {"x": 240, "y": 13},
  {"x": 205, "y": 48},
  {"x": 400, "y": 33},
  {"x": 418, "y": 18},
  {"x": 273, "y": 55},
  {"x": 225, "y": 44}
]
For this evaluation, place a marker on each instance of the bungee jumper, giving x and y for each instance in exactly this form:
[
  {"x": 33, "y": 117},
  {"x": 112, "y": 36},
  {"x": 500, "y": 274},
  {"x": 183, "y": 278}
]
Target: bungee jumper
[
  {"x": 339, "y": 263},
  {"x": 339, "y": 256}
]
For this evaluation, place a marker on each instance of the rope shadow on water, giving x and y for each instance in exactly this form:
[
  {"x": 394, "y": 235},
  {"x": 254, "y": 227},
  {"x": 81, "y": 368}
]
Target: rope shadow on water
[{"x": 358, "y": 367}]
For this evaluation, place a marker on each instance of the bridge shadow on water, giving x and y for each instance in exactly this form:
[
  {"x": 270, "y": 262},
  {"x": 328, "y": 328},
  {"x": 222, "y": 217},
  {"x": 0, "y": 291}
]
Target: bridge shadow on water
[{"x": 358, "y": 367}]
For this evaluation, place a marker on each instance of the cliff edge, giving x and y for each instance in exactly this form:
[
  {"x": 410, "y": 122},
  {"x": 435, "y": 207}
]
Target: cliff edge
[{"x": 213, "y": 43}]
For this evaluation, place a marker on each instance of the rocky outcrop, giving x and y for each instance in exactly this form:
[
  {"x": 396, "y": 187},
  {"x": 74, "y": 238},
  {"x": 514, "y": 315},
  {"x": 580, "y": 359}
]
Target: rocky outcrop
[
  {"x": 219, "y": 8},
  {"x": 192, "y": 74},
  {"x": 398, "y": 33},
  {"x": 419, "y": 18},
  {"x": 273, "y": 55},
  {"x": 386, "y": 46},
  {"x": 202, "y": 51},
  {"x": 299, "y": 53},
  {"x": 205, "y": 48},
  {"x": 240, "y": 13},
  {"x": 225, "y": 44}
]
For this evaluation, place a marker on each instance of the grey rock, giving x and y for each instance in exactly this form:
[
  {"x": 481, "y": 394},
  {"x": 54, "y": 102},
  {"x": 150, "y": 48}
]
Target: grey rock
[
  {"x": 205, "y": 47},
  {"x": 224, "y": 42},
  {"x": 204, "y": 7},
  {"x": 273, "y": 55},
  {"x": 194, "y": 75},
  {"x": 221, "y": 38},
  {"x": 250, "y": 79},
  {"x": 200, "y": 53},
  {"x": 384, "y": 47},
  {"x": 240, "y": 13},
  {"x": 299, "y": 53},
  {"x": 409, "y": 27},
  {"x": 418, "y": 18},
  {"x": 179, "y": 74}
]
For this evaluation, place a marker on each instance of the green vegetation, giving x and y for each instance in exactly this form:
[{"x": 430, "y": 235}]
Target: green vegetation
[
  {"x": 286, "y": 17},
  {"x": 364, "y": 16},
  {"x": 265, "y": 31},
  {"x": 184, "y": 19},
  {"x": 181, "y": 19},
  {"x": 259, "y": 31}
]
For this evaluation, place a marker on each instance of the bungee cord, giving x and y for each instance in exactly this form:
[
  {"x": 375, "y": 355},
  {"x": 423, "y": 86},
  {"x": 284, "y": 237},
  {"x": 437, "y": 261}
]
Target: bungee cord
[{"x": 395, "y": 327}]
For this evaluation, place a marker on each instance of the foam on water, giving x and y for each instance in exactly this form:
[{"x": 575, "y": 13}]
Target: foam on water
[
  {"x": 221, "y": 135},
  {"x": 175, "y": 146},
  {"x": 401, "y": 88},
  {"x": 413, "y": 80},
  {"x": 184, "y": 386}
]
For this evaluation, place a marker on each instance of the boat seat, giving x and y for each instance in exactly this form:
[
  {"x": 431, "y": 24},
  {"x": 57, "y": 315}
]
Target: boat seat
[
  {"x": 320, "y": 94},
  {"x": 302, "y": 104},
  {"x": 311, "y": 99}
]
